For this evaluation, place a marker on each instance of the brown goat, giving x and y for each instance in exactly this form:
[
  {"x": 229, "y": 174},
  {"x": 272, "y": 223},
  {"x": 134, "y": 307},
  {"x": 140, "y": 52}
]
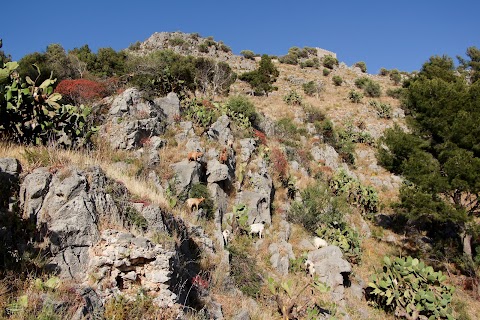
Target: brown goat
[
  {"x": 194, "y": 202},
  {"x": 223, "y": 156},
  {"x": 194, "y": 155}
]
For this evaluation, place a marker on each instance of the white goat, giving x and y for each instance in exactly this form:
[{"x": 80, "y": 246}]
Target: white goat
[
  {"x": 226, "y": 236},
  {"x": 319, "y": 243},
  {"x": 257, "y": 228},
  {"x": 310, "y": 267}
]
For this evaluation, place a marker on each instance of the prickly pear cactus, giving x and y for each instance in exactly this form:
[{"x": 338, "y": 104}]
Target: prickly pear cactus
[
  {"x": 411, "y": 289},
  {"x": 32, "y": 114}
]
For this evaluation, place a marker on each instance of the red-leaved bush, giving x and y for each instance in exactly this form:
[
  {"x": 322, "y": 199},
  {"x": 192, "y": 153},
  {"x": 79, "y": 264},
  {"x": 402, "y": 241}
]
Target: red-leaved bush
[
  {"x": 279, "y": 163},
  {"x": 80, "y": 91}
]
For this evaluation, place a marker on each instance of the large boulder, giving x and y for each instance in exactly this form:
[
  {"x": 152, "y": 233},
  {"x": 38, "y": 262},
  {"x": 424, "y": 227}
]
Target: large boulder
[
  {"x": 132, "y": 121},
  {"x": 216, "y": 171},
  {"x": 331, "y": 269},
  {"x": 170, "y": 105},
  {"x": 220, "y": 130},
  {"x": 187, "y": 173},
  {"x": 33, "y": 191},
  {"x": 280, "y": 255},
  {"x": 9, "y": 178},
  {"x": 124, "y": 263}
]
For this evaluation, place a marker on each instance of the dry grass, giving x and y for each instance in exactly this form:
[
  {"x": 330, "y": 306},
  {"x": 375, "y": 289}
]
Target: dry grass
[{"x": 34, "y": 157}]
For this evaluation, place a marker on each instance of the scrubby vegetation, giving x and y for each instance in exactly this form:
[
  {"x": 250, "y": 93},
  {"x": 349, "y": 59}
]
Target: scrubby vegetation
[{"x": 316, "y": 149}]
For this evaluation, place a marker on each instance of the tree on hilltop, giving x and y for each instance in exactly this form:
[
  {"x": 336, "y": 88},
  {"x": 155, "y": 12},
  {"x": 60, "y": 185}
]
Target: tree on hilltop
[{"x": 262, "y": 79}]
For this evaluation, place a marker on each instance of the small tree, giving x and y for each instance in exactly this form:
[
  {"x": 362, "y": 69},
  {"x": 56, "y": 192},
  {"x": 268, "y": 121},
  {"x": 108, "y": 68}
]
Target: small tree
[
  {"x": 355, "y": 96},
  {"x": 262, "y": 79},
  {"x": 311, "y": 88},
  {"x": 362, "y": 65},
  {"x": 337, "y": 80},
  {"x": 248, "y": 54},
  {"x": 330, "y": 62}
]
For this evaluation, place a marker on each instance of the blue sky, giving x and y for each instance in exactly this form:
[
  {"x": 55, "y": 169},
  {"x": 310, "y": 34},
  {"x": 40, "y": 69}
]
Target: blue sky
[{"x": 389, "y": 34}]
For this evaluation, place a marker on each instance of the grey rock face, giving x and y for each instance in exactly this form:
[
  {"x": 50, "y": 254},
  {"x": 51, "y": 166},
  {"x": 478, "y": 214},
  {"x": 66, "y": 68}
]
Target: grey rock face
[
  {"x": 258, "y": 206},
  {"x": 280, "y": 255},
  {"x": 170, "y": 105},
  {"x": 331, "y": 269},
  {"x": 248, "y": 146},
  {"x": 186, "y": 174},
  {"x": 216, "y": 171},
  {"x": 132, "y": 120},
  {"x": 122, "y": 261},
  {"x": 220, "y": 130},
  {"x": 9, "y": 172},
  {"x": 33, "y": 191}
]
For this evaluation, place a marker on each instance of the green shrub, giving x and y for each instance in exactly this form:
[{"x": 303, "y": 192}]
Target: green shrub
[
  {"x": 372, "y": 89},
  {"x": 203, "y": 47},
  {"x": 318, "y": 208},
  {"x": 248, "y": 54},
  {"x": 355, "y": 96},
  {"x": 241, "y": 104},
  {"x": 337, "y": 80},
  {"x": 384, "y": 110},
  {"x": 365, "y": 198},
  {"x": 289, "y": 59},
  {"x": 244, "y": 271},
  {"x": 312, "y": 114},
  {"x": 310, "y": 63},
  {"x": 200, "y": 190},
  {"x": 362, "y": 65},
  {"x": 30, "y": 113},
  {"x": 330, "y": 62},
  {"x": 199, "y": 113},
  {"x": 395, "y": 93},
  {"x": 326, "y": 71},
  {"x": 395, "y": 76},
  {"x": 383, "y": 72},
  {"x": 176, "y": 41},
  {"x": 293, "y": 98},
  {"x": 224, "y": 47},
  {"x": 312, "y": 88},
  {"x": 411, "y": 289},
  {"x": 362, "y": 82}
]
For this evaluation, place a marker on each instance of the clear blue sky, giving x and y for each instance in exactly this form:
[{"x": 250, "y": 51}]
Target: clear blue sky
[{"x": 389, "y": 34}]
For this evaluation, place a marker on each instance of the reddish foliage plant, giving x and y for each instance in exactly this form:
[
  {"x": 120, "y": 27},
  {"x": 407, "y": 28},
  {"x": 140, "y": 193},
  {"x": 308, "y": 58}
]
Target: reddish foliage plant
[
  {"x": 80, "y": 91},
  {"x": 262, "y": 138},
  {"x": 279, "y": 162}
]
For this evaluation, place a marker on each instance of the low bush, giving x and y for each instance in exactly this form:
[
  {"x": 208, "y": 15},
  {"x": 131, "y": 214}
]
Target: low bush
[
  {"x": 312, "y": 88},
  {"x": 395, "y": 93},
  {"x": 395, "y": 76},
  {"x": 318, "y": 208},
  {"x": 326, "y": 71},
  {"x": 355, "y": 96},
  {"x": 243, "y": 105},
  {"x": 365, "y": 198},
  {"x": 81, "y": 91},
  {"x": 337, "y": 80},
  {"x": 244, "y": 271},
  {"x": 330, "y": 62},
  {"x": 411, "y": 290},
  {"x": 362, "y": 65},
  {"x": 293, "y": 98},
  {"x": 384, "y": 110},
  {"x": 248, "y": 54}
]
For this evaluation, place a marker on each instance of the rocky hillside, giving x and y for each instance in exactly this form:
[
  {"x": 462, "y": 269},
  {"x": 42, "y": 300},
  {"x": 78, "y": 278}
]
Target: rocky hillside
[{"x": 173, "y": 217}]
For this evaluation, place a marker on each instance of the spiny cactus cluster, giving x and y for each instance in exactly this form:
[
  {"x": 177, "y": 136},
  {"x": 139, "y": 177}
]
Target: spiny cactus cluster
[
  {"x": 364, "y": 197},
  {"x": 32, "y": 114},
  {"x": 411, "y": 289}
]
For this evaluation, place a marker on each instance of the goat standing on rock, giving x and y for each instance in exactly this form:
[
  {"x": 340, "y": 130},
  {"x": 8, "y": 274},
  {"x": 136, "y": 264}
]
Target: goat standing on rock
[
  {"x": 194, "y": 202},
  {"x": 194, "y": 155},
  {"x": 257, "y": 228}
]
